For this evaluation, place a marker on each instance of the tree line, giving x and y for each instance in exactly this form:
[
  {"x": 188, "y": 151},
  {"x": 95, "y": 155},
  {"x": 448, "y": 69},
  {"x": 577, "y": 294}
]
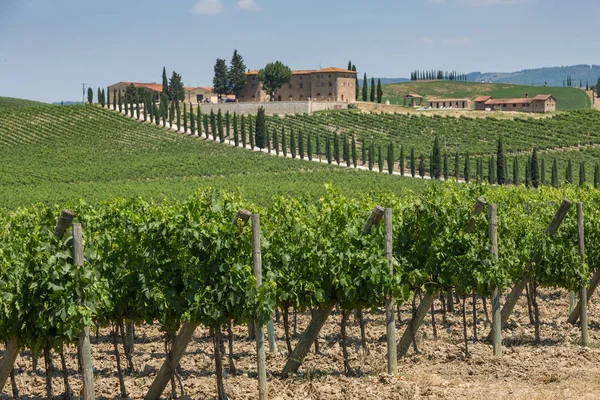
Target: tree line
[{"x": 437, "y": 75}]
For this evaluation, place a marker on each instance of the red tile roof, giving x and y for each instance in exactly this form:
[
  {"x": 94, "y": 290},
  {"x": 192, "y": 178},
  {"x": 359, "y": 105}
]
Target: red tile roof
[
  {"x": 414, "y": 95},
  {"x": 310, "y": 71},
  {"x": 522, "y": 100},
  {"x": 543, "y": 97},
  {"x": 482, "y": 98}
]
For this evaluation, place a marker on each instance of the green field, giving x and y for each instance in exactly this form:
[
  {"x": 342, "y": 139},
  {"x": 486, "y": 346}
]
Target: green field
[
  {"x": 60, "y": 154},
  {"x": 566, "y": 98},
  {"x": 11, "y": 102}
]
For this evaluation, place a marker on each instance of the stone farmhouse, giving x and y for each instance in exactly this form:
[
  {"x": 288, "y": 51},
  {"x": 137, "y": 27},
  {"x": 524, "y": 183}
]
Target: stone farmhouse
[
  {"x": 541, "y": 103},
  {"x": 193, "y": 95},
  {"x": 328, "y": 84}
]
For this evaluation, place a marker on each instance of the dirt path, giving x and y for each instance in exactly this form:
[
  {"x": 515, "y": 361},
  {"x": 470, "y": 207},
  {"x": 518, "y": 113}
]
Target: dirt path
[{"x": 556, "y": 369}]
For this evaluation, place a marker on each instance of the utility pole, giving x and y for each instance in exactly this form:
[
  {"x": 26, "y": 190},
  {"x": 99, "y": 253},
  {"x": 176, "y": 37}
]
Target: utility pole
[{"x": 83, "y": 93}]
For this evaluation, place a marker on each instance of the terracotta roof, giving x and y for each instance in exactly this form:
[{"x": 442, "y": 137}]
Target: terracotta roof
[
  {"x": 543, "y": 97},
  {"x": 521, "y": 100},
  {"x": 482, "y": 98},
  {"x": 309, "y": 71},
  {"x": 451, "y": 100},
  {"x": 203, "y": 88},
  {"x": 414, "y": 95},
  {"x": 157, "y": 87}
]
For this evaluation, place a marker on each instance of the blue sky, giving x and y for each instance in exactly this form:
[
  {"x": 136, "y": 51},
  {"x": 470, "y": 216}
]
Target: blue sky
[{"x": 49, "y": 48}]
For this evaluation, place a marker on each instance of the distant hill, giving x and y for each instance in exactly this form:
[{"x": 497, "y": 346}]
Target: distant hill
[
  {"x": 551, "y": 76},
  {"x": 567, "y": 98},
  {"x": 67, "y": 103},
  {"x": 384, "y": 81},
  {"x": 11, "y": 102}
]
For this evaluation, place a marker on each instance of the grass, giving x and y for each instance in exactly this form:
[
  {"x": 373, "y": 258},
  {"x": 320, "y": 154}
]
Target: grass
[
  {"x": 566, "y": 98},
  {"x": 11, "y": 102},
  {"x": 57, "y": 154}
]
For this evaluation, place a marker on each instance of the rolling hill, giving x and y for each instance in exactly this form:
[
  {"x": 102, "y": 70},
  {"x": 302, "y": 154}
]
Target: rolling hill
[
  {"x": 11, "y": 102},
  {"x": 55, "y": 154},
  {"x": 567, "y": 98},
  {"x": 551, "y": 76}
]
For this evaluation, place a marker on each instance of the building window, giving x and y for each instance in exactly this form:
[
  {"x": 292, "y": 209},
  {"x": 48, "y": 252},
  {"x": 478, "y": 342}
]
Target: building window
[
  {"x": 514, "y": 105},
  {"x": 290, "y": 86},
  {"x": 301, "y": 86},
  {"x": 329, "y": 84},
  {"x": 253, "y": 77},
  {"x": 504, "y": 105}
]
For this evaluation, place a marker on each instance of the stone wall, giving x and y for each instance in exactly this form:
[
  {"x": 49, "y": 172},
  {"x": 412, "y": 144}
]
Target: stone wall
[{"x": 275, "y": 107}]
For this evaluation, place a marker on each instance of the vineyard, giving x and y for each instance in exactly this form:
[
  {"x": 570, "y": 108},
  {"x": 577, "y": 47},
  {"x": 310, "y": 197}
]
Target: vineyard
[
  {"x": 131, "y": 269},
  {"x": 56, "y": 154},
  {"x": 11, "y": 102}
]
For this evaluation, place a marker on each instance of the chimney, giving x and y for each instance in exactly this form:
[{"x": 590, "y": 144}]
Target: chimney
[{"x": 526, "y": 95}]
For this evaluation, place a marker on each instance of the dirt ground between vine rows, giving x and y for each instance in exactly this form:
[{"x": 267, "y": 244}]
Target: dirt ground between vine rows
[{"x": 557, "y": 369}]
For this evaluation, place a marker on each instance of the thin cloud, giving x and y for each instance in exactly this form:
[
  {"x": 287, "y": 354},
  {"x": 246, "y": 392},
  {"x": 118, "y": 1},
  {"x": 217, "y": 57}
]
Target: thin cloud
[
  {"x": 210, "y": 7},
  {"x": 247, "y": 5}
]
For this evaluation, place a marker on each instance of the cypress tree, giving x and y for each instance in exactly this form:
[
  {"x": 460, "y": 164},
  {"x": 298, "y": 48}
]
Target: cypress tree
[
  {"x": 228, "y": 127},
  {"x": 363, "y": 150},
  {"x": 108, "y": 98},
  {"x": 260, "y": 128},
  {"x": 390, "y": 158},
  {"x": 467, "y": 168},
  {"x": 126, "y": 105},
  {"x": 379, "y": 91},
  {"x": 243, "y": 131},
  {"x": 436, "y": 160},
  {"x": 535, "y": 171},
  {"x": 198, "y": 119},
  {"x": 213, "y": 125},
  {"x": 543, "y": 172},
  {"x": 328, "y": 149},
  {"x": 192, "y": 121},
  {"x": 309, "y": 147},
  {"x": 527, "y": 172},
  {"x": 103, "y": 98},
  {"x": 506, "y": 179},
  {"x": 205, "y": 124},
  {"x": 596, "y": 175},
  {"x": 301, "y": 145},
  {"x": 446, "y": 166},
  {"x": 412, "y": 162},
  {"x": 120, "y": 104},
  {"x": 99, "y": 95},
  {"x": 347, "y": 152},
  {"x": 372, "y": 90},
  {"x": 380, "y": 159},
  {"x": 364, "y": 90},
  {"x": 251, "y": 132},
  {"x": 115, "y": 99},
  {"x": 292, "y": 143},
  {"x": 371, "y": 155},
  {"x": 421, "y": 166},
  {"x": 354, "y": 161},
  {"x": 150, "y": 109},
  {"x": 516, "y": 179},
  {"x": 275, "y": 141},
  {"x": 456, "y": 166},
  {"x": 171, "y": 114},
  {"x": 156, "y": 115},
  {"x": 569, "y": 173},
  {"x": 283, "y": 142},
  {"x": 336, "y": 148},
  {"x": 236, "y": 132},
  {"x": 318, "y": 142},
  {"x": 500, "y": 163},
  {"x": 581, "y": 174},
  {"x": 401, "y": 162},
  {"x": 492, "y": 170},
  {"x": 145, "y": 100},
  {"x": 185, "y": 118},
  {"x": 131, "y": 105},
  {"x": 220, "y": 126},
  {"x": 554, "y": 173},
  {"x": 178, "y": 115}
]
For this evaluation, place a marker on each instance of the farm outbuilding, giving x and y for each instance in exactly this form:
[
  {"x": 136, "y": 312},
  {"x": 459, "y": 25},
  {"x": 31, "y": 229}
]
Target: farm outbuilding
[
  {"x": 463, "y": 103},
  {"x": 541, "y": 103},
  {"x": 412, "y": 99}
]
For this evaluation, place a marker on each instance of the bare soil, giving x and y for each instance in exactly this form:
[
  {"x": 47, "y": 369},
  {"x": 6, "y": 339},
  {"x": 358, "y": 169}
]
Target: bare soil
[{"x": 557, "y": 368}]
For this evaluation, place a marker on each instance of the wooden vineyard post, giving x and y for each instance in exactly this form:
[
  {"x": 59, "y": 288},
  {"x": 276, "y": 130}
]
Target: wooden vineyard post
[
  {"x": 590, "y": 290},
  {"x": 87, "y": 368},
  {"x": 496, "y": 313},
  {"x": 180, "y": 342},
  {"x": 260, "y": 343},
  {"x": 390, "y": 316},
  {"x": 310, "y": 334},
  {"x": 8, "y": 361},
  {"x": 517, "y": 289},
  {"x": 582, "y": 290},
  {"x": 425, "y": 305}
]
